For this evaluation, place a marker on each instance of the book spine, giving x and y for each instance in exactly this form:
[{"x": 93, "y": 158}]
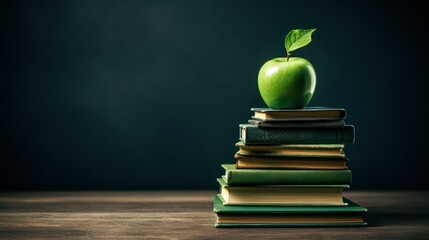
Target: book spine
[
  {"x": 288, "y": 177},
  {"x": 250, "y": 134}
]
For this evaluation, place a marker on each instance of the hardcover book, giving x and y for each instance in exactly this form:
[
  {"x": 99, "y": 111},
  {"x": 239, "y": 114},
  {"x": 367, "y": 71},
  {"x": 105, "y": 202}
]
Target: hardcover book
[
  {"x": 305, "y": 114},
  {"x": 292, "y": 150},
  {"x": 279, "y": 162},
  {"x": 251, "y": 134},
  {"x": 296, "y": 216},
  {"x": 237, "y": 177},
  {"x": 296, "y": 124},
  {"x": 282, "y": 195}
]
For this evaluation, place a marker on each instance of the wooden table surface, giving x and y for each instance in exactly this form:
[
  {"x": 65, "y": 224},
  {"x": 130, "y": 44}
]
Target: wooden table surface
[{"x": 188, "y": 215}]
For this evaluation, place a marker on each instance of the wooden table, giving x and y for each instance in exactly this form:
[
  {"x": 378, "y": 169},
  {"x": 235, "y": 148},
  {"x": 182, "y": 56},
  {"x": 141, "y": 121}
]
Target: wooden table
[{"x": 188, "y": 215}]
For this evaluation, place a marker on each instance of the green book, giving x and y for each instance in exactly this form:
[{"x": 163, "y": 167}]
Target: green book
[
  {"x": 236, "y": 177},
  {"x": 282, "y": 195},
  {"x": 303, "y": 114},
  {"x": 292, "y": 150},
  {"x": 296, "y": 124},
  {"x": 269, "y": 216},
  {"x": 251, "y": 134}
]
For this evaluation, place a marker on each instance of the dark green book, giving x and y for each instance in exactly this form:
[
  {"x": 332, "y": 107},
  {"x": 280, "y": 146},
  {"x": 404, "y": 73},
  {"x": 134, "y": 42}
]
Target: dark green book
[
  {"x": 251, "y": 134},
  {"x": 235, "y": 177},
  {"x": 309, "y": 216}
]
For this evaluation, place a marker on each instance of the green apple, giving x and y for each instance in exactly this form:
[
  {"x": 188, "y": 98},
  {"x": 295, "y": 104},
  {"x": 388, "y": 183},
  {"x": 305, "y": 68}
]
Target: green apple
[{"x": 287, "y": 82}]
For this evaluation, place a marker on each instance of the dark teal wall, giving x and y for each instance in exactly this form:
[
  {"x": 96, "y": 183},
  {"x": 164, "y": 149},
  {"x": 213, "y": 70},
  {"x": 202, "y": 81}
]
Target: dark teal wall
[{"x": 149, "y": 94}]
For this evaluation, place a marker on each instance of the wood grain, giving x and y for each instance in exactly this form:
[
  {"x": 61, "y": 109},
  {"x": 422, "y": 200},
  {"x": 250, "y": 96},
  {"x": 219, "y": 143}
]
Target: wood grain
[{"x": 188, "y": 215}]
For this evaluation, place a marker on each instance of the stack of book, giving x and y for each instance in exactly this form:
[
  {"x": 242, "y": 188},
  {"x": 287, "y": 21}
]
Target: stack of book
[{"x": 290, "y": 170}]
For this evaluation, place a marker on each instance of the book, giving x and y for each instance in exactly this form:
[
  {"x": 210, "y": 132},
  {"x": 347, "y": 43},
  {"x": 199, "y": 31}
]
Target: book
[
  {"x": 304, "y": 114},
  {"x": 279, "y": 162},
  {"x": 282, "y": 195},
  {"x": 288, "y": 216},
  {"x": 236, "y": 177},
  {"x": 292, "y": 150},
  {"x": 251, "y": 134},
  {"x": 296, "y": 124}
]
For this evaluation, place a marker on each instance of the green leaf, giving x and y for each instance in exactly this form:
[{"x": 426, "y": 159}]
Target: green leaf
[{"x": 298, "y": 38}]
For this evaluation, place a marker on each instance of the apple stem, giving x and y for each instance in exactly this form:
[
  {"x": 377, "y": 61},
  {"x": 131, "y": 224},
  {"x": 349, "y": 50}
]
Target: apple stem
[{"x": 287, "y": 57}]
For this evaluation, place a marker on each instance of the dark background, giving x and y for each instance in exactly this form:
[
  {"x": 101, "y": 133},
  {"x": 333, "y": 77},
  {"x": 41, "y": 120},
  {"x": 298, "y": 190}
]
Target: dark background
[{"x": 149, "y": 94}]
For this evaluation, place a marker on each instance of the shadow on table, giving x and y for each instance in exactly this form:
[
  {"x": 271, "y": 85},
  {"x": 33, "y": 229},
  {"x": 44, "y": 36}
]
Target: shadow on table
[{"x": 378, "y": 219}]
